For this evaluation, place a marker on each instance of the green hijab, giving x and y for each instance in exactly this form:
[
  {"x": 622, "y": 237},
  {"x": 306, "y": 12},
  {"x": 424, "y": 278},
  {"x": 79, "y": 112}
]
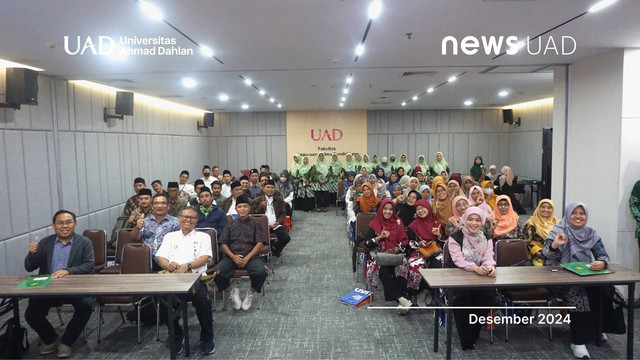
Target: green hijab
[
  {"x": 304, "y": 168},
  {"x": 349, "y": 165},
  {"x": 357, "y": 162},
  {"x": 336, "y": 166},
  {"x": 322, "y": 167},
  {"x": 367, "y": 164},
  {"x": 386, "y": 168},
  {"x": 439, "y": 166},
  {"x": 476, "y": 169},
  {"x": 295, "y": 165},
  {"x": 405, "y": 164},
  {"x": 393, "y": 162},
  {"x": 375, "y": 162}
]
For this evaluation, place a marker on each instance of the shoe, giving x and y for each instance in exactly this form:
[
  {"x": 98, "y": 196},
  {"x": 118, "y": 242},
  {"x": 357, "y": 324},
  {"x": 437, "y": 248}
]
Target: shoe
[
  {"x": 580, "y": 351},
  {"x": 604, "y": 337},
  {"x": 64, "y": 351},
  {"x": 246, "y": 303},
  {"x": 178, "y": 346},
  {"x": 208, "y": 347},
  {"x": 48, "y": 349},
  {"x": 423, "y": 298},
  {"x": 235, "y": 298},
  {"x": 405, "y": 304}
]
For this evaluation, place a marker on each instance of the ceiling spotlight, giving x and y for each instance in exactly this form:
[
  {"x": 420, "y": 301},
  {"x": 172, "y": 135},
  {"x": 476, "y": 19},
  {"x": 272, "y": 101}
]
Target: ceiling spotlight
[
  {"x": 414, "y": 98},
  {"x": 188, "y": 82},
  {"x": 374, "y": 9},
  {"x": 430, "y": 90},
  {"x": 452, "y": 79},
  {"x": 248, "y": 81},
  {"x": 279, "y": 105},
  {"x": 343, "y": 99},
  {"x": 345, "y": 91},
  {"x": 272, "y": 100},
  {"x": 262, "y": 92},
  {"x": 341, "y": 104},
  {"x": 468, "y": 103},
  {"x": 359, "y": 49},
  {"x": 223, "y": 97},
  {"x": 206, "y": 51},
  {"x": 503, "y": 93},
  {"x": 601, "y": 5},
  {"x": 349, "y": 79},
  {"x": 403, "y": 104},
  {"x": 245, "y": 106},
  {"x": 151, "y": 11}
]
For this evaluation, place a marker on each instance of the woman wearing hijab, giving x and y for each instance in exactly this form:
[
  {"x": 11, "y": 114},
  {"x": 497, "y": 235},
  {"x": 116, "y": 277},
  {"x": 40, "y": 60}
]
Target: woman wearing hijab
[
  {"x": 504, "y": 223},
  {"x": 537, "y": 229},
  {"x": 505, "y": 184},
  {"x": 386, "y": 233},
  {"x": 380, "y": 174},
  {"x": 476, "y": 198},
  {"x": 459, "y": 205},
  {"x": 477, "y": 170},
  {"x": 423, "y": 165},
  {"x": 425, "y": 192},
  {"x": 367, "y": 202},
  {"x": 385, "y": 165},
  {"x": 320, "y": 184},
  {"x": 493, "y": 173},
  {"x": 406, "y": 206},
  {"x": 489, "y": 194},
  {"x": 414, "y": 184},
  {"x": 375, "y": 162},
  {"x": 350, "y": 198},
  {"x": 246, "y": 172},
  {"x": 467, "y": 183},
  {"x": 417, "y": 172},
  {"x": 286, "y": 188},
  {"x": 367, "y": 164},
  {"x": 295, "y": 167},
  {"x": 393, "y": 180},
  {"x": 372, "y": 179},
  {"x": 453, "y": 189},
  {"x": 572, "y": 240},
  {"x": 471, "y": 250},
  {"x": 381, "y": 190},
  {"x": 351, "y": 177},
  {"x": 396, "y": 191},
  {"x": 335, "y": 174},
  {"x": 439, "y": 165},
  {"x": 405, "y": 164},
  {"x": 400, "y": 172},
  {"x": 357, "y": 161},
  {"x": 393, "y": 162},
  {"x": 349, "y": 164},
  {"x": 404, "y": 182},
  {"x": 441, "y": 204},
  {"x": 423, "y": 233},
  {"x": 305, "y": 196}
]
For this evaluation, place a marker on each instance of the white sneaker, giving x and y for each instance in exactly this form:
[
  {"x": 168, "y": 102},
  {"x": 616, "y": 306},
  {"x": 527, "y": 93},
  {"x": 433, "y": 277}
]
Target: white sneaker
[
  {"x": 404, "y": 306},
  {"x": 235, "y": 298},
  {"x": 580, "y": 351},
  {"x": 423, "y": 298},
  {"x": 246, "y": 303}
]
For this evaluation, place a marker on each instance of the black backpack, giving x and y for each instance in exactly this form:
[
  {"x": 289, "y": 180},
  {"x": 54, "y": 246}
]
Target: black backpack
[{"x": 13, "y": 342}]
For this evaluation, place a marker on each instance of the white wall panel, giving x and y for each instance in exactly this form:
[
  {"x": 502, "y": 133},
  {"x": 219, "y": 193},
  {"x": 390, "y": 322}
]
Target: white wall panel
[
  {"x": 5, "y": 211},
  {"x": 17, "y": 181},
  {"x": 41, "y": 115},
  {"x": 37, "y": 168}
]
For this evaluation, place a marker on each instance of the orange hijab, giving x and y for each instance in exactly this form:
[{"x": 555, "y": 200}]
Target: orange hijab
[
  {"x": 489, "y": 199},
  {"x": 370, "y": 202},
  {"x": 506, "y": 222},
  {"x": 441, "y": 208}
]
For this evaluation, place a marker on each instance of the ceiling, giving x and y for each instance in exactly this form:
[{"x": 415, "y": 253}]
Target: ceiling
[{"x": 301, "y": 51}]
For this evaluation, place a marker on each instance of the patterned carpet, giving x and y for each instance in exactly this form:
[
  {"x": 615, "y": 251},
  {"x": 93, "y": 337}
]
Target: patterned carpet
[{"x": 301, "y": 317}]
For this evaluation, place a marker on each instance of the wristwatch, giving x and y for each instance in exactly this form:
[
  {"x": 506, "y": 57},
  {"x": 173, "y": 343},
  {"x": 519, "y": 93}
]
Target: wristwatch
[{"x": 189, "y": 266}]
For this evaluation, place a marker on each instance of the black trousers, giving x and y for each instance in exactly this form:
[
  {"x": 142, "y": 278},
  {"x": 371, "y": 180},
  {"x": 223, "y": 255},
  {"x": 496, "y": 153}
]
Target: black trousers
[
  {"x": 202, "y": 303},
  {"x": 394, "y": 286},
  {"x": 36, "y": 316},
  {"x": 283, "y": 239},
  {"x": 469, "y": 333},
  {"x": 322, "y": 199},
  {"x": 255, "y": 267}
]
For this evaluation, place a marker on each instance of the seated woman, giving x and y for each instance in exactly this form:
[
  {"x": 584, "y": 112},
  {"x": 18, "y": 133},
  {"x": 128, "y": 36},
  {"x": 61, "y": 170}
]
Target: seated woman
[
  {"x": 459, "y": 205},
  {"x": 467, "y": 184},
  {"x": 478, "y": 170},
  {"x": 380, "y": 174},
  {"x": 425, "y": 192},
  {"x": 393, "y": 179},
  {"x": 406, "y": 206},
  {"x": 414, "y": 184},
  {"x": 472, "y": 251},
  {"x": 441, "y": 204},
  {"x": 504, "y": 223},
  {"x": 444, "y": 175},
  {"x": 386, "y": 234},
  {"x": 453, "y": 189},
  {"x": 476, "y": 198},
  {"x": 351, "y": 177},
  {"x": 424, "y": 234},
  {"x": 396, "y": 190},
  {"x": 285, "y": 187},
  {"x": 421, "y": 178},
  {"x": 537, "y": 228},
  {"x": 505, "y": 184},
  {"x": 400, "y": 172},
  {"x": 350, "y": 198},
  {"x": 572, "y": 240},
  {"x": 381, "y": 190},
  {"x": 368, "y": 202},
  {"x": 489, "y": 194},
  {"x": 404, "y": 182},
  {"x": 372, "y": 179}
]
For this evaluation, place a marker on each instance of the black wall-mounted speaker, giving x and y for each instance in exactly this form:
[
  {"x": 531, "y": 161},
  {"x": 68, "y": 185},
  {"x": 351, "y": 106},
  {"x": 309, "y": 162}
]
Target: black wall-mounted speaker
[
  {"x": 208, "y": 119},
  {"x": 124, "y": 103},
  {"x": 507, "y": 116},
  {"x": 21, "y": 86}
]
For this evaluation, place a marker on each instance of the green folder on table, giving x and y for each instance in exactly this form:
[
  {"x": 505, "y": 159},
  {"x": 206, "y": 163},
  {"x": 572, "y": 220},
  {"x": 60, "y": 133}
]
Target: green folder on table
[
  {"x": 581, "y": 268},
  {"x": 34, "y": 282}
]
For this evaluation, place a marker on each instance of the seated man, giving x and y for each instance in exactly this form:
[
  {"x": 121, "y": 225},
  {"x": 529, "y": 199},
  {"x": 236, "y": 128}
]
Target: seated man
[
  {"x": 229, "y": 205},
  {"x": 195, "y": 202},
  {"x": 227, "y": 178},
  {"x": 244, "y": 181},
  {"x": 132, "y": 202},
  {"x": 187, "y": 191},
  {"x": 240, "y": 242},
  {"x": 143, "y": 210},
  {"x": 62, "y": 254},
  {"x": 176, "y": 204},
  {"x": 206, "y": 176},
  {"x": 151, "y": 230},
  {"x": 272, "y": 205},
  {"x": 157, "y": 187},
  {"x": 209, "y": 215},
  {"x": 218, "y": 199},
  {"x": 255, "y": 186},
  {"x": 188, "y": 251}
]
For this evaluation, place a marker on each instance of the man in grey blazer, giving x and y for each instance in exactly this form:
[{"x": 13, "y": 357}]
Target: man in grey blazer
[{"x": 62, "y": 254}]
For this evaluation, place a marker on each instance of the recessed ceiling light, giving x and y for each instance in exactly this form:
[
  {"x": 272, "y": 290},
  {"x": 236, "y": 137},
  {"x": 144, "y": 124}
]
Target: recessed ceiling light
[
  {"x": 503, "y": 93},
  {"x": 414, "y": 97},
  {"x": 468, "y": 103},
  {"x": 279, "y": 105},
  {"x": 151, "y": 11},
  {"x": 601, "y": 5},
  {"x": 359, "y": 49},
  {"x": 349, "y": 80},
  {"x": 223, "y": 97},
  {"x": 272, "y": 100},
  {"x": 248, "y": 81},
  {"x": 430, "y": 90},
  {"x": 343, "y": 99},
  {"x": 206, "y": 51},
  {"x": 374, "y": 9},
  {"x": 452, "y": 79},
  {"x": 245, "y": 106},
  {"x": 188, "y": 82},
  {"x": 262, "y": 92},
  {"x": 341, "y": 104},
  {"x": 403, "y": 104},
  {"x": 346, "y": 91}
]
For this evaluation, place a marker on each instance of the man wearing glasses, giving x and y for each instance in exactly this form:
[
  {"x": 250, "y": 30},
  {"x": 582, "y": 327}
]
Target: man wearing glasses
[
  {"x": 152, "y": 229},
  {"x": 184, "y": 251},
  {"x": 62, "y": 254}
]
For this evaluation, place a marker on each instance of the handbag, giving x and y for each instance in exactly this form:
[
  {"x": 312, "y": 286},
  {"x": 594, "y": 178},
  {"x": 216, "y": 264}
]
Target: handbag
[
  {"x": 430, "y": 250},
  {"x": 387, "y": 259}
]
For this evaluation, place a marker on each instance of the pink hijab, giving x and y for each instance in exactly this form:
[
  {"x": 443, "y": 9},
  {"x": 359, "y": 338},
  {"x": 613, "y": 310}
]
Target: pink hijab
[{"x": 483, "y": 205}]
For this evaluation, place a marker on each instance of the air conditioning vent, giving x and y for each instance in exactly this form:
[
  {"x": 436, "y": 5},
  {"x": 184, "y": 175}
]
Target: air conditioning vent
[
  {"x": 419, "y": 73},
  {"x": 394, "y": 91},
  {"x": 380, "y": 102}
]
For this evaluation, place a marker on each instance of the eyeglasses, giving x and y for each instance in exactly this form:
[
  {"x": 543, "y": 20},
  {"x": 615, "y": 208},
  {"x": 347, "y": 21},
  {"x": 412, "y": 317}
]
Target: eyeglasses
[
  {"x": 185, "y": 217},
  {"x": 63, "y": 223},
  {"x": 160, "y": 203}
]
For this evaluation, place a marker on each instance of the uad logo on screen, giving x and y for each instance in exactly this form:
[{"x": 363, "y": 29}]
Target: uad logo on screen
[{"x": 326, "y": 134}]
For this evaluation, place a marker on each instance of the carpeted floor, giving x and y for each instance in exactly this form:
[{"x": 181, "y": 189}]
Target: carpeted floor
[{"x": 301, "y": 317}]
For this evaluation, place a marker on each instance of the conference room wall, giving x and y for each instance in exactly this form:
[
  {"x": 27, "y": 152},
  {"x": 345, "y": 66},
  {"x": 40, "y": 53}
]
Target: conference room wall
[
  {"x": 461, "y": 135},
  {"x": 248, "y": 140},
  {"x": 61, "y": 154}
]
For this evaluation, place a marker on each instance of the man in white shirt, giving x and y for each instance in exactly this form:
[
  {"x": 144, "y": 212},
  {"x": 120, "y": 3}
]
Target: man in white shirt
[
  {"x": 206, "y": 176},
  {"x": 184, "y": 251},
  {"x": 226, "y": 186},
  {"x": 229, "y": 205},
  {"x": 273, "y": 206},
  {"x": 187, "y": 191}
]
